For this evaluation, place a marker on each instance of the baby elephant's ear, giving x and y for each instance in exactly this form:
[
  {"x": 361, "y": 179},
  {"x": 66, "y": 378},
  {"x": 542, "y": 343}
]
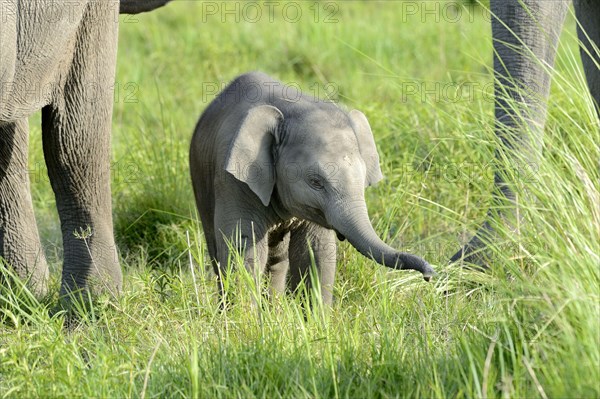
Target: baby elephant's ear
[
  {"x": 250, "y": 157},
  {"x": 366, "y": 144}
]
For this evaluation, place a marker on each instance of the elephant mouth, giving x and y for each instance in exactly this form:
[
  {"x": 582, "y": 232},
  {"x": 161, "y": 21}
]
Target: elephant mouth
[
  {"x": 317, "y": 216},
  {"x": 340, "y": 236}
]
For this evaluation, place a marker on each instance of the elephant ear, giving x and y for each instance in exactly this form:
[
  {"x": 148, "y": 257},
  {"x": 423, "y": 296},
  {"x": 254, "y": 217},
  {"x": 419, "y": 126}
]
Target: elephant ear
[
  {"x": 366, "y": 145},
  {"x": 250, "y": 158}
]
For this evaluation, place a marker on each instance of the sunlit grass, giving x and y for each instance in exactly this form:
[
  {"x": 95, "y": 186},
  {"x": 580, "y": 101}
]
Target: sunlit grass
[{"x": 527, "y": 328}]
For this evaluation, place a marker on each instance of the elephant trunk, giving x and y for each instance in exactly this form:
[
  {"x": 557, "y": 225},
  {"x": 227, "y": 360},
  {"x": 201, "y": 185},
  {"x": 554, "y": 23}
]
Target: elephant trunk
[
  {"x": 355, "y": 226},
  {"x": 138, "y": 6}
]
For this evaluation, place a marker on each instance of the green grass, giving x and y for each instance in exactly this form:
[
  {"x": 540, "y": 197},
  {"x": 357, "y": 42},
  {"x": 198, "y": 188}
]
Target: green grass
[{"x": 528, "y": 328}]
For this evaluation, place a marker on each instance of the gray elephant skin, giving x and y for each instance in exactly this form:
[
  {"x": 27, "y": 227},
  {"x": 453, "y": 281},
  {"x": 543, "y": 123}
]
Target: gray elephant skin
[
  {"x": 60, "y": 58},
  {"x": 275, "y": 171},
  {"x": 525, "y": 34}
]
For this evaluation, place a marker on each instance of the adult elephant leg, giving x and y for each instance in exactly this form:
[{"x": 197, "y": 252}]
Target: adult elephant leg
[
  {"x": 588, "y": 29},
  {"x": 525, "y": 34},
  {"x": 19, "y": 240},
  {"x": 322, "y": 241},
  {"x": 76, "y": 138}
]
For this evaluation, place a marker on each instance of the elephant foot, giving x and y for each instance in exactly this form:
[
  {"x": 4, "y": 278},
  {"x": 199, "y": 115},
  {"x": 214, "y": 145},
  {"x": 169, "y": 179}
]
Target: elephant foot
[
  {"x": 91, "y": 280},
  {"x": 479, "y": 252},
  {"x": 472, "y": 253},
  {"x": 31, "y": 271},
  {"x": 476, "y": 252},
  {"x": 91, "y": 265},
  {"x": 21, "y": 254}
]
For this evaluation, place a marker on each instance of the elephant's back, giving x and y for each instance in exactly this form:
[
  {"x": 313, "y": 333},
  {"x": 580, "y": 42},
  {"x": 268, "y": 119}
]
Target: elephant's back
[{"x": 210, "y": 139}]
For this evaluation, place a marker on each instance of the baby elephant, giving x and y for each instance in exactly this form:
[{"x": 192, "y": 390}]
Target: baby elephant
[{"x": 274, "y": 171}]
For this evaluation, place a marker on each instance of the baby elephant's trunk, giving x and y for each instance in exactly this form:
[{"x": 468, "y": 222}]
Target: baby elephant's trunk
[{"x": 355, "y": 226}]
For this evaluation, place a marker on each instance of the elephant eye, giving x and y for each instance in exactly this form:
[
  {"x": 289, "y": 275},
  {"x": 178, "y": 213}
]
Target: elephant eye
[{"x": 315, "y": 182}]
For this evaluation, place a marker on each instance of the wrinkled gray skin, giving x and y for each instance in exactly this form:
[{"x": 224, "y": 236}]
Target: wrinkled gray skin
[
  {"x": 525, "y": 31},
  {"x": 280, "y": 169},
  {"x": 60, "y": 59}
]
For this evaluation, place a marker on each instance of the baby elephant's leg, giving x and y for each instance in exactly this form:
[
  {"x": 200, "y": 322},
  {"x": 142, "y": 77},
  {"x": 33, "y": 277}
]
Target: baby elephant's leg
[
  {"x": 278, "y": 262},
  {"x": 244, "y": 236},
  {"x": 322, "y": 242}
]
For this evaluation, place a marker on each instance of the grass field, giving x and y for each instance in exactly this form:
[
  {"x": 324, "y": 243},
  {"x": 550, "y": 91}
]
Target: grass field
[{"x": 528, "y": 328}]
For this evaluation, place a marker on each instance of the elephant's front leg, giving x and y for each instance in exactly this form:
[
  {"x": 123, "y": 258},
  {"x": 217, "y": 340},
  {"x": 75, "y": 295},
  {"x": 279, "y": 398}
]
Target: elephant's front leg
[
  {"x": 19, "y": 240},
  {"x": 322, "y": 241},
  {"x": 77, "y": 151},
  {"x": 525, "y": 35},
  {"x": 278, "y": 262},
  {"x": 76, "y": 130},
  {"x": 247, "y": 237}
]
